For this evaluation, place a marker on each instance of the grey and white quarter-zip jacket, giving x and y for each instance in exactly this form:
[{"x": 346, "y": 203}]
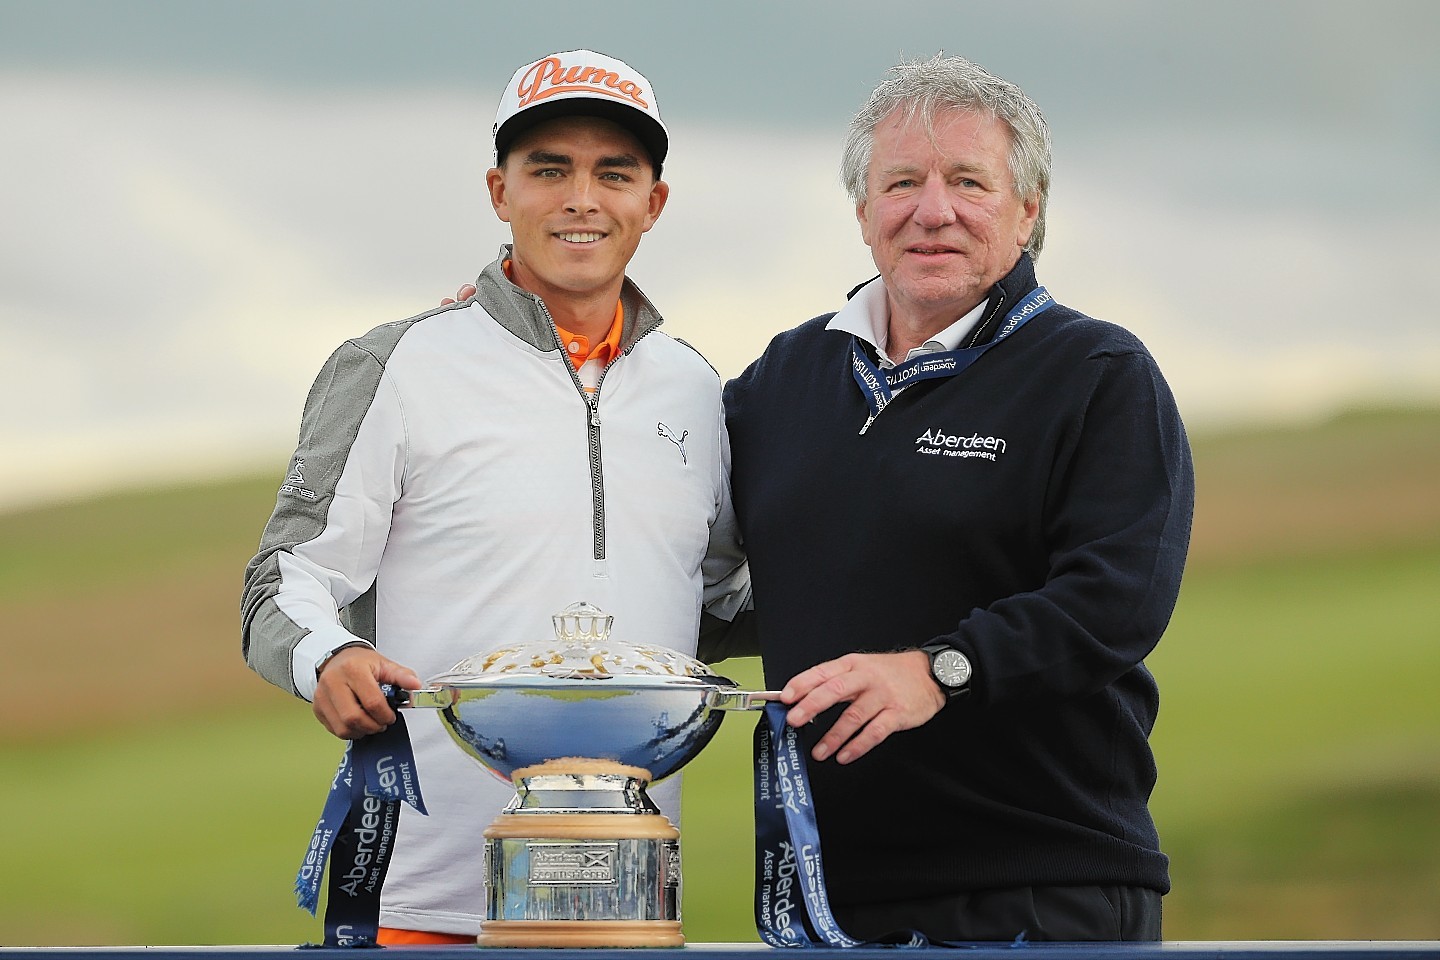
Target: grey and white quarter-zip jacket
[{"x": 452, "y": 488}]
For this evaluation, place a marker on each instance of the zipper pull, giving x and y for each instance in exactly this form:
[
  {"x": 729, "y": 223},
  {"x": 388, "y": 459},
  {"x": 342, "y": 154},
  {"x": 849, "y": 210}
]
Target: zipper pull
[{"x": 594, "y": 415}]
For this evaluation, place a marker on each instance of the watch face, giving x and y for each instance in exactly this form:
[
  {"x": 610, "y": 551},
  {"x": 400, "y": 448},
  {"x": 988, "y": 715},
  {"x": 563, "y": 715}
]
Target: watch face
[{"x": 951, "y": 668}]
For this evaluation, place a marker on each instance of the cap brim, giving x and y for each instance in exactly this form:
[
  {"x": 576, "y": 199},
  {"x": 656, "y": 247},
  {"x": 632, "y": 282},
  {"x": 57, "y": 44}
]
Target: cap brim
[{"x": 647, "y": 129}]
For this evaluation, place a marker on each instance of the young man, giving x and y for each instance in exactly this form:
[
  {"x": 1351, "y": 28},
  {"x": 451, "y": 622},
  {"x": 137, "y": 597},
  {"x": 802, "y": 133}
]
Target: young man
[{"x": 464, "y": 474}]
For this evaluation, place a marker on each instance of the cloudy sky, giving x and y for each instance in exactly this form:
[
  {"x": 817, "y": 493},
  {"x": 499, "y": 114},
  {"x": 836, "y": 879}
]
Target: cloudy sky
[{"x": 199, "y": 200}]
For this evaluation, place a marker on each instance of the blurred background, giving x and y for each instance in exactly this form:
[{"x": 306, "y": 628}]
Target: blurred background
[{"x": 200, "y": 200}]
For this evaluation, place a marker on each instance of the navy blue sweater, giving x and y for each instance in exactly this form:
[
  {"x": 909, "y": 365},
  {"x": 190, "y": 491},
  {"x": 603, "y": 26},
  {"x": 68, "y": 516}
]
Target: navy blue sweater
[{"x": 1034, "y": 511}]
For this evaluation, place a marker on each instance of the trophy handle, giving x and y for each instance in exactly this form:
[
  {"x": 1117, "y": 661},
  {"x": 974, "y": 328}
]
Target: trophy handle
[
  {"x": 426, "y": 698},
  {"x": 740, "y": 699},
  {"x": 439, "y": 698}
]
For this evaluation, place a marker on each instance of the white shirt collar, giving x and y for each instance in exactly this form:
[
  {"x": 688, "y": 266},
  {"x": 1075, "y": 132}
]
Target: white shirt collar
[{"x": 867, "y": 316}]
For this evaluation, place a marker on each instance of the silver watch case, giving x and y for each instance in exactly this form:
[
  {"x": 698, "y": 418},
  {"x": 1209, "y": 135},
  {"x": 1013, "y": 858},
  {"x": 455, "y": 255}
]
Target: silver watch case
[{"x": 950, "y": 668}]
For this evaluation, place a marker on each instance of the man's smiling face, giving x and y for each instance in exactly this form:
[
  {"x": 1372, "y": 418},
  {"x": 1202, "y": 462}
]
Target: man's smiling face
[
  {"x": 578, "y": 193},
  {"x": 941, "y": 216}
]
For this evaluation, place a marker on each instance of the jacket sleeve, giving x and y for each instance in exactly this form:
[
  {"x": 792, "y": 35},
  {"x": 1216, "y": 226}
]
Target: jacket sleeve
[
  {"x": 1116, "y": 530},
  {"x": 309, "y": 588},
  {"x": 726, "y": 629}
]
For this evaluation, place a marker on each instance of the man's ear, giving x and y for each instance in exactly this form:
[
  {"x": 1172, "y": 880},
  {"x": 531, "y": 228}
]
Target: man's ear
[
  {"x": 864, "y": 221},
  {"x": 659, "y": 194},
  {"x": 495, "y": 183},
  {"x": 1027, "y": 224}
]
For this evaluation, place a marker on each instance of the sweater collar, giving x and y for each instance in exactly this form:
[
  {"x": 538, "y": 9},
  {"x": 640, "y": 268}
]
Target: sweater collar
[
  {"x": 866, "y": 316},
  {"x": 524, "y": 314},
  {"x": 866, "y": 309},
  {"x": 1008, "y": 292}
]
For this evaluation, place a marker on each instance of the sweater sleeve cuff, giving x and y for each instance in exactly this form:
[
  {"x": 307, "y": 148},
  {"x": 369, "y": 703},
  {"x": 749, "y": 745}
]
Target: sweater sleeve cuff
[{"x": 313, "y": 648}]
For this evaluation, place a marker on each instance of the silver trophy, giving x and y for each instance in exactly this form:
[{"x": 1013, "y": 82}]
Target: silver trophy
[{"x": 581, "y": 724}]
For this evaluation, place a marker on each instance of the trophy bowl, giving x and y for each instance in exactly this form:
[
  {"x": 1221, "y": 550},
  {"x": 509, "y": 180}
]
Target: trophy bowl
[
  {"x": 508, "y": 721},
  {"x": 580, "y": 723}
]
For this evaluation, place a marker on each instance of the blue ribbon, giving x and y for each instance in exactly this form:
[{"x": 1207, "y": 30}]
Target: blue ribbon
[
  {"x": 357, "y": 831},
  {"x": 792, "y": 908},
  {"x": 879, "y": 386}
]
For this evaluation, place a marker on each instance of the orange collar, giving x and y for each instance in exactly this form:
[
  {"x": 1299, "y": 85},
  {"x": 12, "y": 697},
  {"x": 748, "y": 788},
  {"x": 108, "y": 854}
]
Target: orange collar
[{"x": 578, "y": 348}]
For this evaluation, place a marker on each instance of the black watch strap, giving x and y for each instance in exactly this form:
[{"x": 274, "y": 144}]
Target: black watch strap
[{"x": 950, "y": 668}]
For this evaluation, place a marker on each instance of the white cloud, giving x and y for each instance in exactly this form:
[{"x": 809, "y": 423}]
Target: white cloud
[
  {"x": 178, "y": 261},
  {"x": 1269, "y": 310}
]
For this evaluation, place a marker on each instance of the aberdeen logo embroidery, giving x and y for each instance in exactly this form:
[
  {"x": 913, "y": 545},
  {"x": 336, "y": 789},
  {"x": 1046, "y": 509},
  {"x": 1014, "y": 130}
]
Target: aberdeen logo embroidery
[
  {"x": 550, "y": 77},
  {"x": 679, "y": 441},
  {"x": 939, "y": 443},
  {"x": 293, "y": 483}
]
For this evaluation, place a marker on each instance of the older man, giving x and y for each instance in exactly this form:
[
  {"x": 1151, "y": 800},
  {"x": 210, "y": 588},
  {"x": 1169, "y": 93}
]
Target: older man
[
  {"x": 966, "y": 509},
  {"x": 463, "y": 474}
]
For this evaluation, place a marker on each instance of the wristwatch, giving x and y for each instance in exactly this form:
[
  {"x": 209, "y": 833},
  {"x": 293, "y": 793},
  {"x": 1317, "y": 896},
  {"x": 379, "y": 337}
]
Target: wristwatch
[{"x": 950, "y": 668}]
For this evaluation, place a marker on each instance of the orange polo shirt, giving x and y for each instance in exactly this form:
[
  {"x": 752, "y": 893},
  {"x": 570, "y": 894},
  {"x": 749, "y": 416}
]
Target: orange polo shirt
[
  {"x": 391, "y": 937},
  {"x": 578, "y": 348}
]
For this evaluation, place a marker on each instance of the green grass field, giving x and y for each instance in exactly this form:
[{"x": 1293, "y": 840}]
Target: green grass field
[{"x": 155, "y": 792}]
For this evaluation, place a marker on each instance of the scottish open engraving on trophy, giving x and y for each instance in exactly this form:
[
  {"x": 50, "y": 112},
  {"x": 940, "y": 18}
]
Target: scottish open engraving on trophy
[{"x": 569, "y": 863}]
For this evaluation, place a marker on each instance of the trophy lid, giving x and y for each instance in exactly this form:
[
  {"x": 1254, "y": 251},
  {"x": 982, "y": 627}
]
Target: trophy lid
[{"x": 581, "y": 648}]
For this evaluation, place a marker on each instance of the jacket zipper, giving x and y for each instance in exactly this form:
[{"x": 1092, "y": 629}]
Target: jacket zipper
[
  {"x": 592, "y": 435},
  {"x": 999, "y": 305}
]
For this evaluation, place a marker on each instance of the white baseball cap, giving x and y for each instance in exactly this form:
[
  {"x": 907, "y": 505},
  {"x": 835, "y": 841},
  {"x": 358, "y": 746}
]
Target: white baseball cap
[{"x": 586, "y": 83}]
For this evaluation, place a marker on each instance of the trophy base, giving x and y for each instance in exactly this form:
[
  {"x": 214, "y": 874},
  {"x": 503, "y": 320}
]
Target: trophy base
[
  {"x": 580, "y": 860},
  {"x": 580, "y": 933}
]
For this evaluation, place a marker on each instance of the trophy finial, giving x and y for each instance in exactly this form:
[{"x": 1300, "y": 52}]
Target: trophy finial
[{"x": 582, "y": 623}]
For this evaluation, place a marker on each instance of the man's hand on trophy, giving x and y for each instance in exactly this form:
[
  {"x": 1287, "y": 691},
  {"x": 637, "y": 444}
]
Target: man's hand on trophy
[
  {"x": 348, "y": 699},
  {"x": 464, "y": 293},
  {"x": 886, "y": 693}
]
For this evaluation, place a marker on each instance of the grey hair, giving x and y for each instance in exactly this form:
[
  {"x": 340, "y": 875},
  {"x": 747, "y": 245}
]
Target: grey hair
[{"x": 919, "y": 89}]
